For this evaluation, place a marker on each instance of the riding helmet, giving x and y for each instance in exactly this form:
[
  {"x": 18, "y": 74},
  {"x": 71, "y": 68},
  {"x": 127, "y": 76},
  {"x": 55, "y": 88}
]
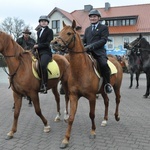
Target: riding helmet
[
  {"x": 94, "y": 12},
  {"x": 44, "y": 18}
]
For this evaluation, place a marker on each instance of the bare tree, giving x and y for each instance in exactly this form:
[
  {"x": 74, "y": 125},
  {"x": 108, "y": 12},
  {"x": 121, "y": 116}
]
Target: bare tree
[{"x": 14, "y": 27}]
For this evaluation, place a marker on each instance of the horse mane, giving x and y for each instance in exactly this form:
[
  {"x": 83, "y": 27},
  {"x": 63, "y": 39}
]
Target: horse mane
[
  {"x": 146, "y": 43},
  {"x": 19, "y": 51}
]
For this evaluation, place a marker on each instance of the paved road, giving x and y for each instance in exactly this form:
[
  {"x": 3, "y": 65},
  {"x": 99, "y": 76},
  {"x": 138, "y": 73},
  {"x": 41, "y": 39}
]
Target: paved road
[{"x": 132, "y": 132}]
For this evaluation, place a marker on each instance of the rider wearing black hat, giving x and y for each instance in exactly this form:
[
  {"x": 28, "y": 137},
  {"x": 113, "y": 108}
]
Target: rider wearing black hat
[
  {"x": 95, "y": 37},
  {"x": 44, "y": 37}
]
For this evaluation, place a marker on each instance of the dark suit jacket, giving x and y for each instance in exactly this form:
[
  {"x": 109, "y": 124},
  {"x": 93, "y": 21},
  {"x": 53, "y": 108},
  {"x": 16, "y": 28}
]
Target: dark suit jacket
[
  {"x": 97, "y": 39},
  {"x": 44, "y": 41}
]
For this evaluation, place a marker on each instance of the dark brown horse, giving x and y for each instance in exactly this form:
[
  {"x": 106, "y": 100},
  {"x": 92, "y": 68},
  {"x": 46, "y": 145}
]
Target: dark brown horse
[
  {"x": 141, "y": 47},
  {"x": 23, "y": 82},
  {"x": 82, "y": 80}
]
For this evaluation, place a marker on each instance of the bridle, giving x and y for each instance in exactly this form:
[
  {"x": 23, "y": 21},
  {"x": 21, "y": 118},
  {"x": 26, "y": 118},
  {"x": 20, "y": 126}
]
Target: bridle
[
  {"x": 73, "y": 39},
  {"x": 137, "y": 44}
]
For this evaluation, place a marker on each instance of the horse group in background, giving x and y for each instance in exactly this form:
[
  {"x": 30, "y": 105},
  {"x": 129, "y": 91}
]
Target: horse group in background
[{"x": 139, "y": 59}]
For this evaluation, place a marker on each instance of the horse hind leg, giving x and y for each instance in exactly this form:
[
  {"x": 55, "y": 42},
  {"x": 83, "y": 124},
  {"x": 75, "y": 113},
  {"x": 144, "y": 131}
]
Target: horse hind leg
[
  {"x": 18, "y": 104},
  {"x": 57, "y": 98},
  {"x": 118, "y": 96}
]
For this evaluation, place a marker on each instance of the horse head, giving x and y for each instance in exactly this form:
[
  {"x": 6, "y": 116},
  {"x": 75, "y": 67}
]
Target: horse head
[{"x": 66, "y": 41}]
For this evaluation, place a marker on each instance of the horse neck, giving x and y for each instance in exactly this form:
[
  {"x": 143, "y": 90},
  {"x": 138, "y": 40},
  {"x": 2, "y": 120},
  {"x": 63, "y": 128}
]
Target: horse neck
[
  {"x": 78, "y": 60},
  {"x": 11, "y": 53}
]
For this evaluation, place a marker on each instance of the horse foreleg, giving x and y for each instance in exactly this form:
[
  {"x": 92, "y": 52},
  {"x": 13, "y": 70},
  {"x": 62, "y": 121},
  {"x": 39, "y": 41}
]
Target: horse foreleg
[
  {"x": 57, "y": 99},
  {"x": 35, "y": 99},
  {"x": 131, "y": 80},
  {"x": 137, "y": 80},
  {"x": 66, "y": 113},
  {"x": 92, "y": 103},
  {"x": 106, "y": 103},
  {"x": 73, "y": 109},
  {"x": 18, "y": 104}
]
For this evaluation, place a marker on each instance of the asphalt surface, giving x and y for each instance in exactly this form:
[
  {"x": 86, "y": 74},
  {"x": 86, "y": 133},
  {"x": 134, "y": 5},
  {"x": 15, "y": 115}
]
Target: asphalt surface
[{"x": 132, "y": 132}]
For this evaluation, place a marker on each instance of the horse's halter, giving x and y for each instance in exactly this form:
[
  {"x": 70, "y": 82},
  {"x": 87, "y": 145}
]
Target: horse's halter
[
  {"x": 73, "y": 39},
  {"x": 68, "y": 43},
  {"x": 136, "y": 44}
]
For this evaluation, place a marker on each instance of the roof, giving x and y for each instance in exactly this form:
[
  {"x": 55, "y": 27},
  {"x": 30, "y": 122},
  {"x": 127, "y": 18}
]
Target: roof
[{"x": 142, "y": 11}]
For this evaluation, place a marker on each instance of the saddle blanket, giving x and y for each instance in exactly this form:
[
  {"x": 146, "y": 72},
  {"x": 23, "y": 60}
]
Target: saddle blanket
[
  {"x": 53, "y": 70},
  {"x": 112, "y": 67}
]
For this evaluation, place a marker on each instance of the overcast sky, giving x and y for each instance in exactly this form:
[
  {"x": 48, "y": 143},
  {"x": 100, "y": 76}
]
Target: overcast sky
[{"x": 30, "y": 10}]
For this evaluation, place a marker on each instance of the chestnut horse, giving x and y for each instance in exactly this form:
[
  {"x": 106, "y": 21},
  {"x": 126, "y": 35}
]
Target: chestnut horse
[
  {"x": 23, "y": 82},
  {"x": 82, "y": 80}
]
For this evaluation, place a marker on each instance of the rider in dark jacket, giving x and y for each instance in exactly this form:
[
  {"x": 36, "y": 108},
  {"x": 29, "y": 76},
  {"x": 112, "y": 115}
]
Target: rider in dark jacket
[
  {"x": 44, "y": 37},
  {"x": 26, "y": 42},
  {"x": 95, "y": 37}
]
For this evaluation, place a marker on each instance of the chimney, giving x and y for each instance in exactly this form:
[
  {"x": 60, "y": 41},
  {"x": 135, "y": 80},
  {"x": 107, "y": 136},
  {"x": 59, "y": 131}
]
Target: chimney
[
  {"x": 107, "y": 6},
  {"x": 88, "y": 8}
]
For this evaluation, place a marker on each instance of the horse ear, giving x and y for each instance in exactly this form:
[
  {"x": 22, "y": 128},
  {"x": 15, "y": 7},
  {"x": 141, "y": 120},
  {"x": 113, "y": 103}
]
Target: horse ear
[
  {"x": 140, "y": 36},
  {"x": 64, "y": 24},
  {"x": 73, "y": 24}
]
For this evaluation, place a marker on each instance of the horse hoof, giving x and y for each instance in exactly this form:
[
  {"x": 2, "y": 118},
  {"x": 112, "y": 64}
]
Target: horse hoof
[
  {"x": 8, "y": 137},
  {"x": 47, "y": 129},
  {"x": 29, "y": 105},
  {"x": 104, "y": 123},
  {"x": 57, "y": 119},
  {"x": 117, "y": 118},
  {"x": 145, "y": 96},
  {"x": 63, "y": 145}
]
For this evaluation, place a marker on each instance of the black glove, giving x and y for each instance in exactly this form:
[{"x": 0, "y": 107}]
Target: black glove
[{"x": 88, "y": 48}]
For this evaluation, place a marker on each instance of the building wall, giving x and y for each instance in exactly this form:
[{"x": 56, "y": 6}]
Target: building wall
[{"x": 58, "y": 16}]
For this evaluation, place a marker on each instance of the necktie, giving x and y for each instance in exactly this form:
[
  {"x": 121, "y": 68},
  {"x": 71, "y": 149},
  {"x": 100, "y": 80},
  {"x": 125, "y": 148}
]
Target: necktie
[{"x": 93, "y": 27}]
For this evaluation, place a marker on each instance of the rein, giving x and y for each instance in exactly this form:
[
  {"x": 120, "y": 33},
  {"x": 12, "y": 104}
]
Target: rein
[
  {"x": 11, "y": 76},
  {"x": 67, "y": 44}
]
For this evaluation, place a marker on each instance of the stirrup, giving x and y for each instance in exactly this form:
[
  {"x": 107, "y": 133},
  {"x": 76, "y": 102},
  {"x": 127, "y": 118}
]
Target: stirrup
[
  {"x": 43, "y": 89},
  {"x": 107, "y": 88}
]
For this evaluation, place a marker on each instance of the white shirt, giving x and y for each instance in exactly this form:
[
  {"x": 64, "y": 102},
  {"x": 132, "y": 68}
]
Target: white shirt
[{"x": 41, "y": 32}]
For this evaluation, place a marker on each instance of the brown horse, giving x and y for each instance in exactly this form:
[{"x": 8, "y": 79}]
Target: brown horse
[
  {"x": 82, "y": 80},
  {"x": 23, "y": 82}
]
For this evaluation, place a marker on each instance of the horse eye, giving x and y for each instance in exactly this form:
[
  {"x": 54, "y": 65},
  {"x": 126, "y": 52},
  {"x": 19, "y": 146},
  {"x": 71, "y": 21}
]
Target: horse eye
[{"x": 69, "y": 33}]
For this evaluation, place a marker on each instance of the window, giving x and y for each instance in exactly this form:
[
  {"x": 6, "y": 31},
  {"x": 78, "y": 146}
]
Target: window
[
  {"x": 56, "y": 25},
  {"x": 126, "y": 39},
  {"x": 110, "y": 44},
  {"x": 122, "y": 22}
]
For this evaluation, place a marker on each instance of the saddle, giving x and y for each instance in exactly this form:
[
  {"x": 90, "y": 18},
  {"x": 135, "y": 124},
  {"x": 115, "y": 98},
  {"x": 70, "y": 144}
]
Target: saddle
[
  {"x": 96, "y": 66},
  {"x": 52, "y": 69}
]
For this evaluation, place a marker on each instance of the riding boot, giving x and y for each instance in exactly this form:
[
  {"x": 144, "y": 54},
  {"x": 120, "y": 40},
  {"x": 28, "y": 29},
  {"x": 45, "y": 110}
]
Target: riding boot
[
  {"x": 43, "y": 87},
  {"x": 106, "y": 75}
]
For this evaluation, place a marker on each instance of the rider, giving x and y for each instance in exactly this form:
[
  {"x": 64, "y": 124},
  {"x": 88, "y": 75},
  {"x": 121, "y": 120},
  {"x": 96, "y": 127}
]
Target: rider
[
  {"x": 95, "y": 37},
  {"x": 44, "y": 37},
  {"x": 27, "y": 43}
]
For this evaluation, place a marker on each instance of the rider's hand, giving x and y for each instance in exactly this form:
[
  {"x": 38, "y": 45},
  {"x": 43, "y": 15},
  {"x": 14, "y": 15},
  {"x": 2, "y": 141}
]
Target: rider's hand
[{"x": 88, "y": 48}]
